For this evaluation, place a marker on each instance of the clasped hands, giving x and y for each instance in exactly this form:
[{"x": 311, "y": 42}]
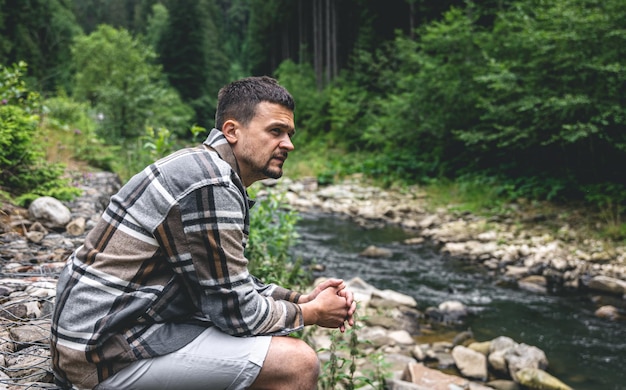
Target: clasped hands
[{"x": 330, "y": 305}]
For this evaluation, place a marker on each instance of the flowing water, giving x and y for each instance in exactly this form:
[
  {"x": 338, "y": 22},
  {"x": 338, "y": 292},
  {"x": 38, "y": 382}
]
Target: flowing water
[{"x": 583, "y": 351}]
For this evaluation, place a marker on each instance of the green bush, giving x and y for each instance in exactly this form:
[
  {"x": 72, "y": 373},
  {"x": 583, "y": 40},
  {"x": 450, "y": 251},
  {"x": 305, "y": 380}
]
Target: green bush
[
  {"x": 70, "y": 127},
  {"x": 272, "y": 233},
  {"x": 24, "y": 171}
]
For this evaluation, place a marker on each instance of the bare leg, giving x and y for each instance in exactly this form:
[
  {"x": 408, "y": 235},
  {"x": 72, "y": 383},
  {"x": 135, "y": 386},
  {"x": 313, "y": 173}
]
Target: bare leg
[{"x": 290, "y": 364}]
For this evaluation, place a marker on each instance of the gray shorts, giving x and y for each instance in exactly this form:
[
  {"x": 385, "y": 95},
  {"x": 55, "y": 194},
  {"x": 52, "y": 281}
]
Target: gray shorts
[{"x": 214, "y": 360}]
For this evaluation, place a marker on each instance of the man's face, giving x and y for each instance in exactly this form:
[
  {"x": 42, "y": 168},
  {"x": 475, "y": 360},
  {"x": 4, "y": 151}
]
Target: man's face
[{"x": 262, "y": 146}]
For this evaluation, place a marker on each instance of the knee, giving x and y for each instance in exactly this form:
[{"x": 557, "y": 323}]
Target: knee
[
  {"x": 309, "y": 359},
  {"x": 290, "y": 364},
  {"x": 303, "y": 360}
]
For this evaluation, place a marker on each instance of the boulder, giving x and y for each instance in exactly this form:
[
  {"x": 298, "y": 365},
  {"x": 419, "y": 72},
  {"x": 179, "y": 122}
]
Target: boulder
[
  {"x": 535, "y": 378},
  {"x": 50, "y": 212},
  {"x": 534, "y": 283},
  {"x": 432, "y": 379},
  {"x": 608, "y": 312},
  {"x": 607, "y": 284},
  {"x": 470, "y": 363},
  {"x": 375, "y": 252},
  {"x": 525, "y": 356}
]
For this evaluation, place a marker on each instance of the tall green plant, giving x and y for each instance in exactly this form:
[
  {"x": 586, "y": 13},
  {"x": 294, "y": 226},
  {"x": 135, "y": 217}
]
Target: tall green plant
[{"x": 272, "y": 233}]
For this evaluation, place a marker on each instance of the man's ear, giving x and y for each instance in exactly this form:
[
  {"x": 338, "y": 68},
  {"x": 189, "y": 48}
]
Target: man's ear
[{"x": 230, "y": 129}]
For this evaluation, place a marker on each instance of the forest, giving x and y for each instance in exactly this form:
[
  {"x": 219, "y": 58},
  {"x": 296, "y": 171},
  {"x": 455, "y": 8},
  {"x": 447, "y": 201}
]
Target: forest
[{"x": 524, "y": 98}]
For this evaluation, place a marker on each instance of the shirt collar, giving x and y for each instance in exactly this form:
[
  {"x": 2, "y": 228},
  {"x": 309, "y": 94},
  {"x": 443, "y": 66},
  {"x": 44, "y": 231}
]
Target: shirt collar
[{"x": 218, "y": 142}]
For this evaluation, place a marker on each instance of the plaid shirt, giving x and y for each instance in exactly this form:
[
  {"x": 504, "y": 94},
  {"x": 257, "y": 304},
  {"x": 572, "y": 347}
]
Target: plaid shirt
[{"x": 165, "y": 261}]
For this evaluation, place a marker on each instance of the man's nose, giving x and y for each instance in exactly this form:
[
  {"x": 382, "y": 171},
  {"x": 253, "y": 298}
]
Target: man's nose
[{"x": 286, "y": 143}]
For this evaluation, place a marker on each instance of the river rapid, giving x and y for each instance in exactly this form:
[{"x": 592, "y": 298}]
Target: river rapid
[{"x": 584, "y": 351}]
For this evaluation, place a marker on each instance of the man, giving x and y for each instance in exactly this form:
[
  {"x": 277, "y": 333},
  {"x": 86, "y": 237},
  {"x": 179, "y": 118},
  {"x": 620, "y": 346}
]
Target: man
[{"x": 159, "y": 296}]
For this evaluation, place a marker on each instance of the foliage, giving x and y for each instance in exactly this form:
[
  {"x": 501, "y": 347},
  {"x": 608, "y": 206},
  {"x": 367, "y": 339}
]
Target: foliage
[
  {"x": 610, "y": 199},
  {"x": 299, "y": 80},
  {"x": 549, "y": 95},
  {"x": 272, "y": 233},
  {"x": 70, "y": 134},
  {"x": 339, "y": 371},
  {"x": 39, "y": 32},
  {"x": 522, "y": 94},
  {"x": 24, "y": 172},
  {"x": 157, "y": 23},
  {"x": 116, "y": 73},
  {"x": 192, "y": 59},
  {"x": 152, "y": 145}
]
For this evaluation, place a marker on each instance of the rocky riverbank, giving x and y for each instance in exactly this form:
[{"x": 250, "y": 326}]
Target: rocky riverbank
[
  {"x": 534, "y": 256},
  {"x": 34, "y": 244}
]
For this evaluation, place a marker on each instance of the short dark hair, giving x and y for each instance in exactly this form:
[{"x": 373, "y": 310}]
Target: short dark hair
[{"x": 238, "y": 100}]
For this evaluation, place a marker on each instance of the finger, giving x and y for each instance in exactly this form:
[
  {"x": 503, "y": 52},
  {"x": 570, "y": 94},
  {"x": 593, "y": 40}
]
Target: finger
[
  {"x": 330, "y": 283},
  {"x": 352, "y": 309},
  {"x": 349, "y": 296}
]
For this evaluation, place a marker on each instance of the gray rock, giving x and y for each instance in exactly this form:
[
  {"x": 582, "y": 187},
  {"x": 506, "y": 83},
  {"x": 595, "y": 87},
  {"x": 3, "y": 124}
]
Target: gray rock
[
  {"x": 525, "y": 356},
  {"x": 431, "y": 379},
  {"x": 31, "y": 333},
  {"x": 470, "y": 363},
  {"x": 375, "y": 252},
  {"x": 607, "y": 284},
  {"x": 50, "y": 212},
  {"x": 534, "y": 283}
]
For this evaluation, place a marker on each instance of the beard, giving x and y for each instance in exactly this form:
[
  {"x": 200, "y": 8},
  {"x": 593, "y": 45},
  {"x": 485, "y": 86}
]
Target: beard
[
  {"x": 274, "y": 172},
  {"x": 267, "y": 170}
]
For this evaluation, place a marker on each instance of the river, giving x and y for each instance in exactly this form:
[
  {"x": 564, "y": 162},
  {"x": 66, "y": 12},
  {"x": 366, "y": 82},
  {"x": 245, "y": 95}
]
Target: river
[{"x": 585, "y": 352}]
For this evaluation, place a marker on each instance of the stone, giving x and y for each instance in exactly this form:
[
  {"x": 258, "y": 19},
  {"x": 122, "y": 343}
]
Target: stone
[
  {"x": 374, "y": 336},
  {"x": 397, "y": 384},
  {"x": 501, "y": 343},
  {"x": 480, "y": 347},
  {"x": 497, "y": 361},
  {"x": 362, "y": 290},
  {"x": 394, "y": 296},
  {"x": 31, "y": 333},
  {"x": 534, "y": 283},
  {"x": 429, "y": 378},
  {"x": 503, "y": 384},
  {"x": 401, "y": 337},
  {"x": 607, "y": 284},
  {"x": 608, "y": 312},
  {"x": 398, "y": 361},
  {"x": 35, "y": 236},
  {"x": 525, "y": 356},
  {"x": 30, "y": 365},
  {"x": 452, "y": 311},
  {"x": 478, "y": 386},
  {"x": 76, "y": 227},
  {"x": 375, "y": 252},
  {"x": 50, "y": 212},
  {"x": 470, "y": 363},
  {"x": 418, "y": 353},
  {"x": 535, "y": 378}
]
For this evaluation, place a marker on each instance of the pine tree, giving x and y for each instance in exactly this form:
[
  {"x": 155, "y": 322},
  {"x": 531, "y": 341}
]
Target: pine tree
[{"x": 192, "y": 57}]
